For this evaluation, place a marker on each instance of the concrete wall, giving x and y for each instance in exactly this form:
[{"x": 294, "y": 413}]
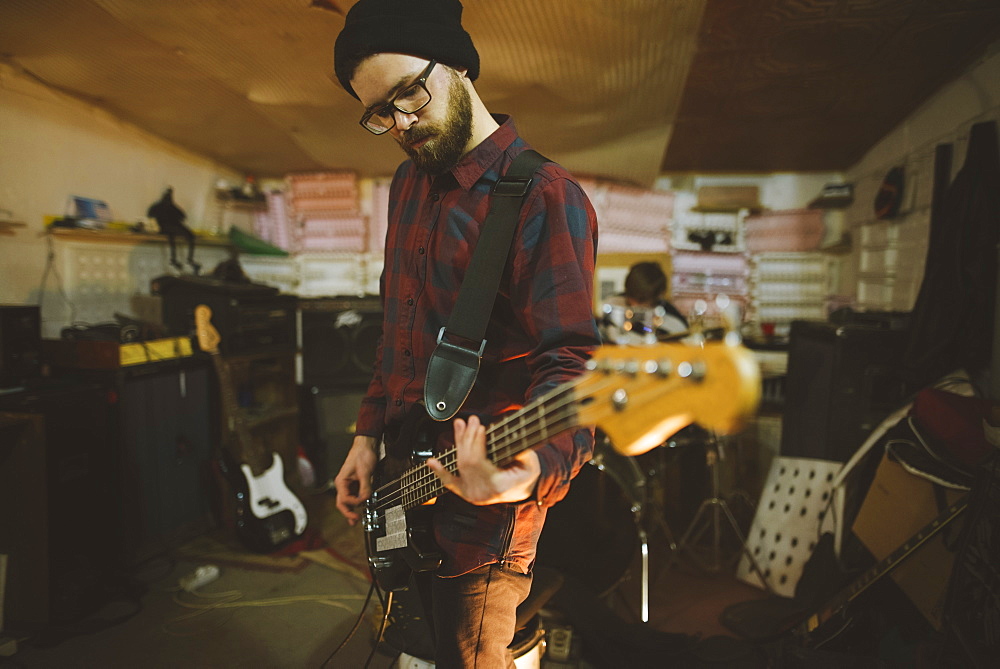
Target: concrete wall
[
  {"x": 53, "y": 147},
  {"x": 885, "y": 267}
]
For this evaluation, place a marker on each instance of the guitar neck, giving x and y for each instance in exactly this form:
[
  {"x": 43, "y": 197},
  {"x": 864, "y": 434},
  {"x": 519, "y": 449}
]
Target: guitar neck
[
  {"x": 863, "y": 582},
  {"x": 638, "y": 396},
  {"x": 531, "y": 426}
]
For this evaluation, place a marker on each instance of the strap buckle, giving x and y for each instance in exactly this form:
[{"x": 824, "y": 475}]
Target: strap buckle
[{"x": 511, "y": 187}]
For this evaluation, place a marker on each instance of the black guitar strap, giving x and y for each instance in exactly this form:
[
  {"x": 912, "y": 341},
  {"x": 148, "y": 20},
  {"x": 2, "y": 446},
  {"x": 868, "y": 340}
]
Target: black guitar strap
[{"x": 452, "y": 369}]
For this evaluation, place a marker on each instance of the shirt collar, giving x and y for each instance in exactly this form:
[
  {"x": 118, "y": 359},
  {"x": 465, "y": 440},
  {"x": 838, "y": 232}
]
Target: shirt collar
[{"x": 474, "y": 164}]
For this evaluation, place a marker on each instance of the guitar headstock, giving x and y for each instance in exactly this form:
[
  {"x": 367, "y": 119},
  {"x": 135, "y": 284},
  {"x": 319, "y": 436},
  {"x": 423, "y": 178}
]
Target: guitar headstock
[
  {"x": 208, "y": 336},
  {"x": 639, "y": 396}
]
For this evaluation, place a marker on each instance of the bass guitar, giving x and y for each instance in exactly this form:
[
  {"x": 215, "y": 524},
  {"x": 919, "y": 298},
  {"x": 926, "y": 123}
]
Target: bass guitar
[
  {"x": 834, "y": 619},
  {"x": 638, "y": 396},
  {"x": 268, "y": 514}
]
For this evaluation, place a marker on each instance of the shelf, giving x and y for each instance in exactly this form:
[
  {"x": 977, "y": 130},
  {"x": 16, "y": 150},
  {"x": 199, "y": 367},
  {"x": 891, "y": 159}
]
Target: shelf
[
  {"x": 133, "y": 238},
  {"x": 726, "y": 210}
]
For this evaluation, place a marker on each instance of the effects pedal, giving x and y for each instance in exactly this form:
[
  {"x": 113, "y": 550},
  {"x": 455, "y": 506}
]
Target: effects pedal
[{"x": 559, "y": 644}]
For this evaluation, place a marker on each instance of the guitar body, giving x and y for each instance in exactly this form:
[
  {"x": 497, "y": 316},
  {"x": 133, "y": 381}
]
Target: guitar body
[
  {"x": 400, "y": 540},
  {"x": 267, "y": 513}
]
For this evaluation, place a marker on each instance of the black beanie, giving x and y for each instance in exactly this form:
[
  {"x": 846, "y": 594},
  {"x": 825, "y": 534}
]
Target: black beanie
[{"x": 430, "y": 29}]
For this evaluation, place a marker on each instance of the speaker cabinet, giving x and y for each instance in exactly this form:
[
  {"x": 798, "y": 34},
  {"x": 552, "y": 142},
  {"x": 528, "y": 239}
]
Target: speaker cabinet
[
  {"x": 842, "y": 380},
  {"x": 59, "y": 505},
  {"x": 328, "y": 418},
  {"x": 166, "y": 447},
  {"x": 20, "y": 344},
  {"x": 339, "y": 341}
]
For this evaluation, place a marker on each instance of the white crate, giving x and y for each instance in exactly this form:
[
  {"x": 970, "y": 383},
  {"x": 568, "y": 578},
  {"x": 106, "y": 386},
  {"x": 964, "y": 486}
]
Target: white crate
[
  {"x": 282, "y": 272},
  {"x": 790, "y": 291},
  {"x": 691, "y": 225},
  {"x": 611, "y": 241},
  {"x": 690, "y": 282},
  {"x": 328, "y": 274},
  {"x": 785, "y": 312},
  {"x": 876, "y": 292},
  {"x": 784, "y": 265}
]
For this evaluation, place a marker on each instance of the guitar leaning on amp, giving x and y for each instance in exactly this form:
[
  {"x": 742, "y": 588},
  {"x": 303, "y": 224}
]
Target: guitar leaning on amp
[
  {"x": 835, "y": 618},
  {"x": 268, "y": 514},
  {"x": 638, "y": 396}
]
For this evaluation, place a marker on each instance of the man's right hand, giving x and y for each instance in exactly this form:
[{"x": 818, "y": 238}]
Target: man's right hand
[{"x": 354, "y": 481}]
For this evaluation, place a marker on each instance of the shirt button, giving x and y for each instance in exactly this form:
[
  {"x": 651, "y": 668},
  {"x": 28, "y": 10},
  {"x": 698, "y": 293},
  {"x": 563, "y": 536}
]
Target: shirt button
[
  {"x": 406, "y": 352},
  {"x": 409, "y": 301},
  {"x": 435, "y": 197},
  {"x": 399, "y": 403},
  {"x": 421, "y": 250}
]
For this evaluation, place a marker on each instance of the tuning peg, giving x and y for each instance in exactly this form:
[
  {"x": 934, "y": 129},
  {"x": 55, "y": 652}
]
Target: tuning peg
[
  {"x": 696, "y": 322},
  {"x": 732, "y": 318}
]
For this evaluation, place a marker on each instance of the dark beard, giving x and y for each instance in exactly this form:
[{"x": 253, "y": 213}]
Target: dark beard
[{"x": 444, "y": 151}]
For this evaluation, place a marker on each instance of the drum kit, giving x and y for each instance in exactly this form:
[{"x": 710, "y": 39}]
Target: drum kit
[{"x": 615, "y": 503}]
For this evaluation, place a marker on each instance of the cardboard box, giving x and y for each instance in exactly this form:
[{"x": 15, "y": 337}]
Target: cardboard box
[{"x": 897, "y": 506}]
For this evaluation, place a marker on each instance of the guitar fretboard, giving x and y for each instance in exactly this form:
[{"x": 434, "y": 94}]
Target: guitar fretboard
[
  {"x": 859, "y": 585},
  {"x": 530, "y": 426}
]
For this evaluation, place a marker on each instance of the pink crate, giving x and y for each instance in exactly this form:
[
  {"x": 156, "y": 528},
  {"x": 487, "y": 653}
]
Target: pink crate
[
  {"x": 274, "y": 225},
  {"x": 786, "y": 230},
  {"x": 332, "y": 244},
  {"x": 710, "y": 263},
  {"x": 323, "y": 191},
  {"x": 334, "y": 233}
]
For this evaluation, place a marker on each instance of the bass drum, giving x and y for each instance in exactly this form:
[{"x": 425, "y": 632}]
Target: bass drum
[{"x": 592, "y": 533}]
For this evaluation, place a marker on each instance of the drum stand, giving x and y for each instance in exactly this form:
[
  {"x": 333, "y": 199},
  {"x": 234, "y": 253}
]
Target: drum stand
[
  {"x": 715, "y": 507},
  {"x": 640, "y": 524},
  {"x": 642, "y": 503}
]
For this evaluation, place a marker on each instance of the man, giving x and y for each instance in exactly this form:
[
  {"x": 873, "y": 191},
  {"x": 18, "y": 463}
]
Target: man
[
  {"x": 412, "y": 66},
  {"x": 642, "y": 314}
]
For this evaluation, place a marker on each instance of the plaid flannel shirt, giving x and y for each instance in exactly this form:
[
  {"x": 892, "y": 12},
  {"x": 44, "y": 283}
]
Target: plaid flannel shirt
[{"x": 540, "y": 334}]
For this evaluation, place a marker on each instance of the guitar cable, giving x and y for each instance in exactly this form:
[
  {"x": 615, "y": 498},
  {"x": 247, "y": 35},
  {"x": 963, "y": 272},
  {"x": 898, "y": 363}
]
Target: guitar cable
[{"x": 386, "y": 606}]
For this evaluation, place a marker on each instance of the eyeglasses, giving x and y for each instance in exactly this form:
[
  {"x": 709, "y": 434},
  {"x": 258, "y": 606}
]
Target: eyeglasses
[{"x": 410, "y": 100}]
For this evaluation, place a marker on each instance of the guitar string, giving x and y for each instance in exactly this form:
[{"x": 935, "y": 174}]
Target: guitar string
[
  {"x": 420, "y": 475},
  {"x": 423, "y": 481},
  {"x": 416, "y": 481},
  {"x": 502, "y": 448},
  {"x": 420, "y": 480},
  {"x": 534, "y": 404}
]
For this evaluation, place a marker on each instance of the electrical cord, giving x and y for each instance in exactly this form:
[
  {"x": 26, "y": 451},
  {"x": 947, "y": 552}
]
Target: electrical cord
[
  {"x": 381, "y": 629},
  {"x": 50, "y": 257},
  {"x": 357, "y": 624}
]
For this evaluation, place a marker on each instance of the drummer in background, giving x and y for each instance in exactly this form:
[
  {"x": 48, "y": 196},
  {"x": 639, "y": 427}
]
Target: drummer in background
[{"x": 644, "y": 305}]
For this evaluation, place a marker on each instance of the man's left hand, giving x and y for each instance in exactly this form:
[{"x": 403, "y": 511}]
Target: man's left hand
[{"x": 478, "y": 480}]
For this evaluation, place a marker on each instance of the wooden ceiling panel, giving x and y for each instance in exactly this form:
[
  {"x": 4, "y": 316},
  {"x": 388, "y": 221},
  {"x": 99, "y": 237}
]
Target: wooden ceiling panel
[
  {"x": 615, "y": 88},
  {"x": 812, "y": 84}
]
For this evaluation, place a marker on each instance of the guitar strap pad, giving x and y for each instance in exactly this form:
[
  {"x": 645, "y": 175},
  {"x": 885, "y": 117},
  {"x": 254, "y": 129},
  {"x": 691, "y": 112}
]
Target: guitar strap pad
[
  {"x": 451, "y": 373},
  {"x": 452, "y": 369}
]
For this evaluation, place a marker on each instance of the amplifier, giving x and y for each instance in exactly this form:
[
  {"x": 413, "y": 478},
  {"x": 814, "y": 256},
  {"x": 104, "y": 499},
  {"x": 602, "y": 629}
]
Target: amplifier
[
  {"x": 250, "y": 318},
  {"x": 340, "y": 337},
  {"x": 843, "y": 380},
  {"x": 20, "y": 344}
]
